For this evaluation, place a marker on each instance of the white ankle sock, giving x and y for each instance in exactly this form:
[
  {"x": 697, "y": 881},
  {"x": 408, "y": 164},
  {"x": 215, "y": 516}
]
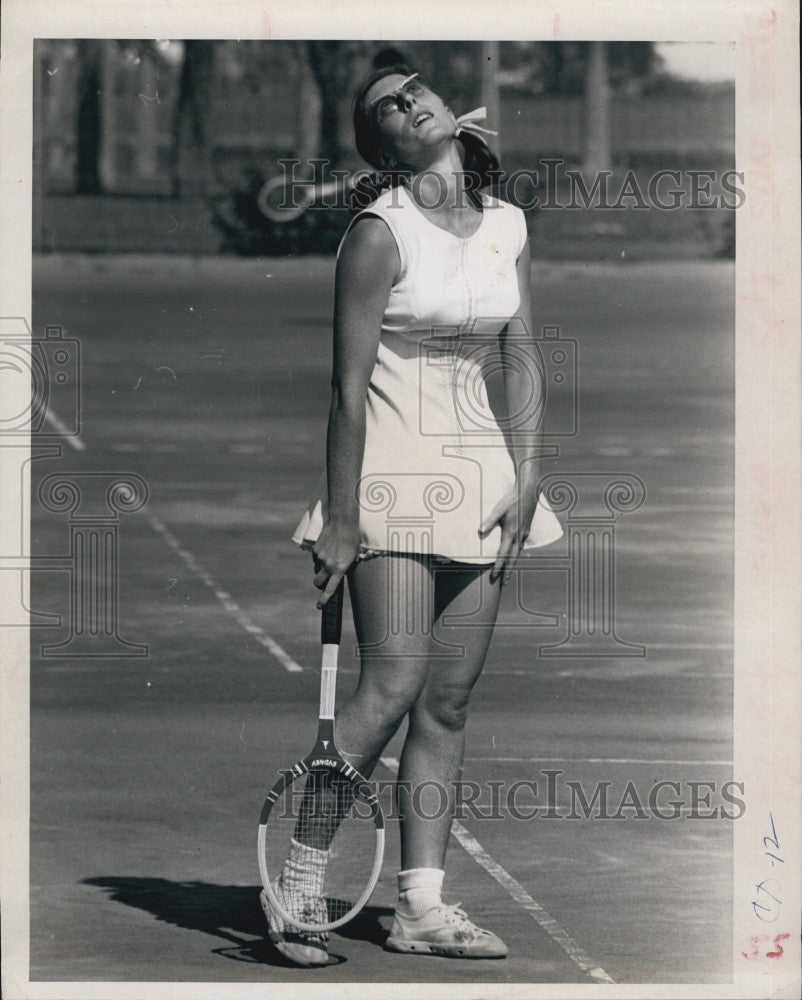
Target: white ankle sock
[
  {"x": 419, "y": 890},
  {"x": 305, "y": 868}
]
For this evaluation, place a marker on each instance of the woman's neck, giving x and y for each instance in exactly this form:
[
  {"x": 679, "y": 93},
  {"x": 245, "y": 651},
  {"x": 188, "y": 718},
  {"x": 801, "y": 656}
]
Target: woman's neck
[{"x": 441, "y": 183}]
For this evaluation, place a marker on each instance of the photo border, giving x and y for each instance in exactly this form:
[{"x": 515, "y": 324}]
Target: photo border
[{"x": 767, "y": 750}]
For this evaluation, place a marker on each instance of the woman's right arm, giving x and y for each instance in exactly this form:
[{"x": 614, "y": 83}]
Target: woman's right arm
[{"x": 366, "y": 269}]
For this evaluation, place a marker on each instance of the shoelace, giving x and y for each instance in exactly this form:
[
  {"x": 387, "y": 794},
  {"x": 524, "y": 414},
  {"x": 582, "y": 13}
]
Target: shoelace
[{"x": 454, "y": 915}]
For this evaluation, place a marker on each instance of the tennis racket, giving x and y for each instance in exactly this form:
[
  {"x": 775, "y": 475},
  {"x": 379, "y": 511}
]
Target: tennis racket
[
  {"x": 321, "y": 831},
  {"x": 283, "y": 199}
]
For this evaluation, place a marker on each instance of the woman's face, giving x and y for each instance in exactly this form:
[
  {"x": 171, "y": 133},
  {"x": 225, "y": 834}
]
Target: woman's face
[{"x": 408, "y": 119}]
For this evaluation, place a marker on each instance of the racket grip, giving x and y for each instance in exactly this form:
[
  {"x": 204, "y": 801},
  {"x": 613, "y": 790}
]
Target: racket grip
[{"x": 331, "y": 621}]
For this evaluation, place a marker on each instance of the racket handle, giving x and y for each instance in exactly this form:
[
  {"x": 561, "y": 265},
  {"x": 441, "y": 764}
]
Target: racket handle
[{"x": 331, "y": 621}]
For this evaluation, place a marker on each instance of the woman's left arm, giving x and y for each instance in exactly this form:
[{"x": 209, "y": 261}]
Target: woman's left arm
[{"x": 524, "y": 391}]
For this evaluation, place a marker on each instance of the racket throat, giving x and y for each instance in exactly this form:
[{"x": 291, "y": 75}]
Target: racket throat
[
  {"x": 328, "y": 692},
  {"x": 324, "y": 746}
]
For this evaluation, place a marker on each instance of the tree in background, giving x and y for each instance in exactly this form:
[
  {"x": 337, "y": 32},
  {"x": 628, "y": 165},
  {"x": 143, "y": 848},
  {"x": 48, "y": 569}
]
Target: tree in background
[
  {"x": 594, "y": 70},
  {"x": 326, "y": 75},
  {"x": 598, "y": 142},
  {"x": 88, "y": 121},
  {"x": 609, "y": 65},
  {"x": 338, "y": 69},
  {"x": 190, "y": 153},
  {"x": 560, "y": 68}
]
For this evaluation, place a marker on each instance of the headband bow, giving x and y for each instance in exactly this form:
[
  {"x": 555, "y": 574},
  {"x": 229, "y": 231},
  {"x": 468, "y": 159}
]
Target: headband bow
[{"x": 467, "y": 122}]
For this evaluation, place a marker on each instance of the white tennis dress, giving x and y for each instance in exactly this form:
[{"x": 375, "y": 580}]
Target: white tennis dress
[{"x": 436, "y": 458}]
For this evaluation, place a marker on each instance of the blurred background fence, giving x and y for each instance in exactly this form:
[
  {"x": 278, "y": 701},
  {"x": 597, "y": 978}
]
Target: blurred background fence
[{"x": 161, "y": 146}]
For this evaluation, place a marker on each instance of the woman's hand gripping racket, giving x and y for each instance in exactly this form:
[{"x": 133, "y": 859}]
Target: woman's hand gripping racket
[{"x": 321, "y": 831}]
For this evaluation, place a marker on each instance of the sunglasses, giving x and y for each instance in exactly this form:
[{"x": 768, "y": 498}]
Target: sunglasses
[{"x": 413, "y": 86}]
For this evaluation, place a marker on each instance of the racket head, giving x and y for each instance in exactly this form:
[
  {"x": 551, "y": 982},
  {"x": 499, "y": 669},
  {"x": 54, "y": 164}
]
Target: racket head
[
  {"x": 281, "y": 200},
  {"x": 325, "y": 804}
]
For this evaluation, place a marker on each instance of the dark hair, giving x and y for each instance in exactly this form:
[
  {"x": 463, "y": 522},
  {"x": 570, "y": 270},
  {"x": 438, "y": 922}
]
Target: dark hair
[
  {"x": 366, "y": 140},
  {"x": 388, "y": 56},
  {"x": 479, "y": 161}
]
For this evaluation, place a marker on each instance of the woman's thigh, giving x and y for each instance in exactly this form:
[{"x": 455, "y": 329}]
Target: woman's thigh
[
  {"x": 417, "y": 622},
  {"x": 466, "y": 607},
  {"x": 393, "y": 601},
  {"x": 392, "y": 597}
]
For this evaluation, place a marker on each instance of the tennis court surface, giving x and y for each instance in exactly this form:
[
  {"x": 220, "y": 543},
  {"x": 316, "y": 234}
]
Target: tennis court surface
[{"x": 208, "y": 379}]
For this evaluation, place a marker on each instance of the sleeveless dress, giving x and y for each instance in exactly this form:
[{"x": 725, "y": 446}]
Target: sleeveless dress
[{"x": 436, "y": 457}]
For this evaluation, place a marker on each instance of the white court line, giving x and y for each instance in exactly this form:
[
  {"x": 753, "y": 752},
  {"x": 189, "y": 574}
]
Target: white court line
[
  {"x": 60, "y": 428},
  {"x": 598, "y": 760},
  {"x": 543, "y": 919},
  {"x": 231, "y": 606}
]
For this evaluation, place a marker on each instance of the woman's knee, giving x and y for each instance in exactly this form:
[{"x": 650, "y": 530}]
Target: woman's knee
[
  {"x": 445, "y": 707},
  {"x": 388, "y": 696}
]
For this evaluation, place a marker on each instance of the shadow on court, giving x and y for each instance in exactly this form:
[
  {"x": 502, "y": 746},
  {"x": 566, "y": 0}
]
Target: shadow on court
[
  {"x": 209, "y": 379},
  {"x": 230, "y": 912}
]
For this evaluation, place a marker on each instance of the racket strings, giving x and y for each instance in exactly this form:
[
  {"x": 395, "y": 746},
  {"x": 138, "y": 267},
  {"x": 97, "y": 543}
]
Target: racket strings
[
  {"x": 326, "y": 800},
  {"x": 320, "y": 843}
]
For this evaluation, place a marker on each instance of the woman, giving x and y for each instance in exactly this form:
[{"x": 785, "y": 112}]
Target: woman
[{"x": 432, "y": 488}]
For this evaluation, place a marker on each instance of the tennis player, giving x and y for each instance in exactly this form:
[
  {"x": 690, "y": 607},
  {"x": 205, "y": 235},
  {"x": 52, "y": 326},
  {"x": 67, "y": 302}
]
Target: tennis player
[{"x": 431, "y": 489}]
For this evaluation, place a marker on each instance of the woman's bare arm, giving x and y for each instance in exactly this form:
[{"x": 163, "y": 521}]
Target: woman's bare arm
[
  {"x": 366, "y": 269},
  {"x": 524, "y": 391},
  {"x": 523, "y": 379}
]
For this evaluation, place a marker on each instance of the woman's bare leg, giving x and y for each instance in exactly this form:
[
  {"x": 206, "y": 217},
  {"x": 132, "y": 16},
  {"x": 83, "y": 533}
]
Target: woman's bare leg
[
  {"x": 431, "y": 761},
  {"x": 393, "y": 603},
  {"x": 398, "y": 602}
]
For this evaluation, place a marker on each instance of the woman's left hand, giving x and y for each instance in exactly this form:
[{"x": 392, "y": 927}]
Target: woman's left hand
[{"x": 513, "y": 513}]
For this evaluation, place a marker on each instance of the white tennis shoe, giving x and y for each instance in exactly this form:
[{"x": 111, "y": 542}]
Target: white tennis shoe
[
  {"x": 299, "y": 946},
  {"x": 444, "y": 930}
]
